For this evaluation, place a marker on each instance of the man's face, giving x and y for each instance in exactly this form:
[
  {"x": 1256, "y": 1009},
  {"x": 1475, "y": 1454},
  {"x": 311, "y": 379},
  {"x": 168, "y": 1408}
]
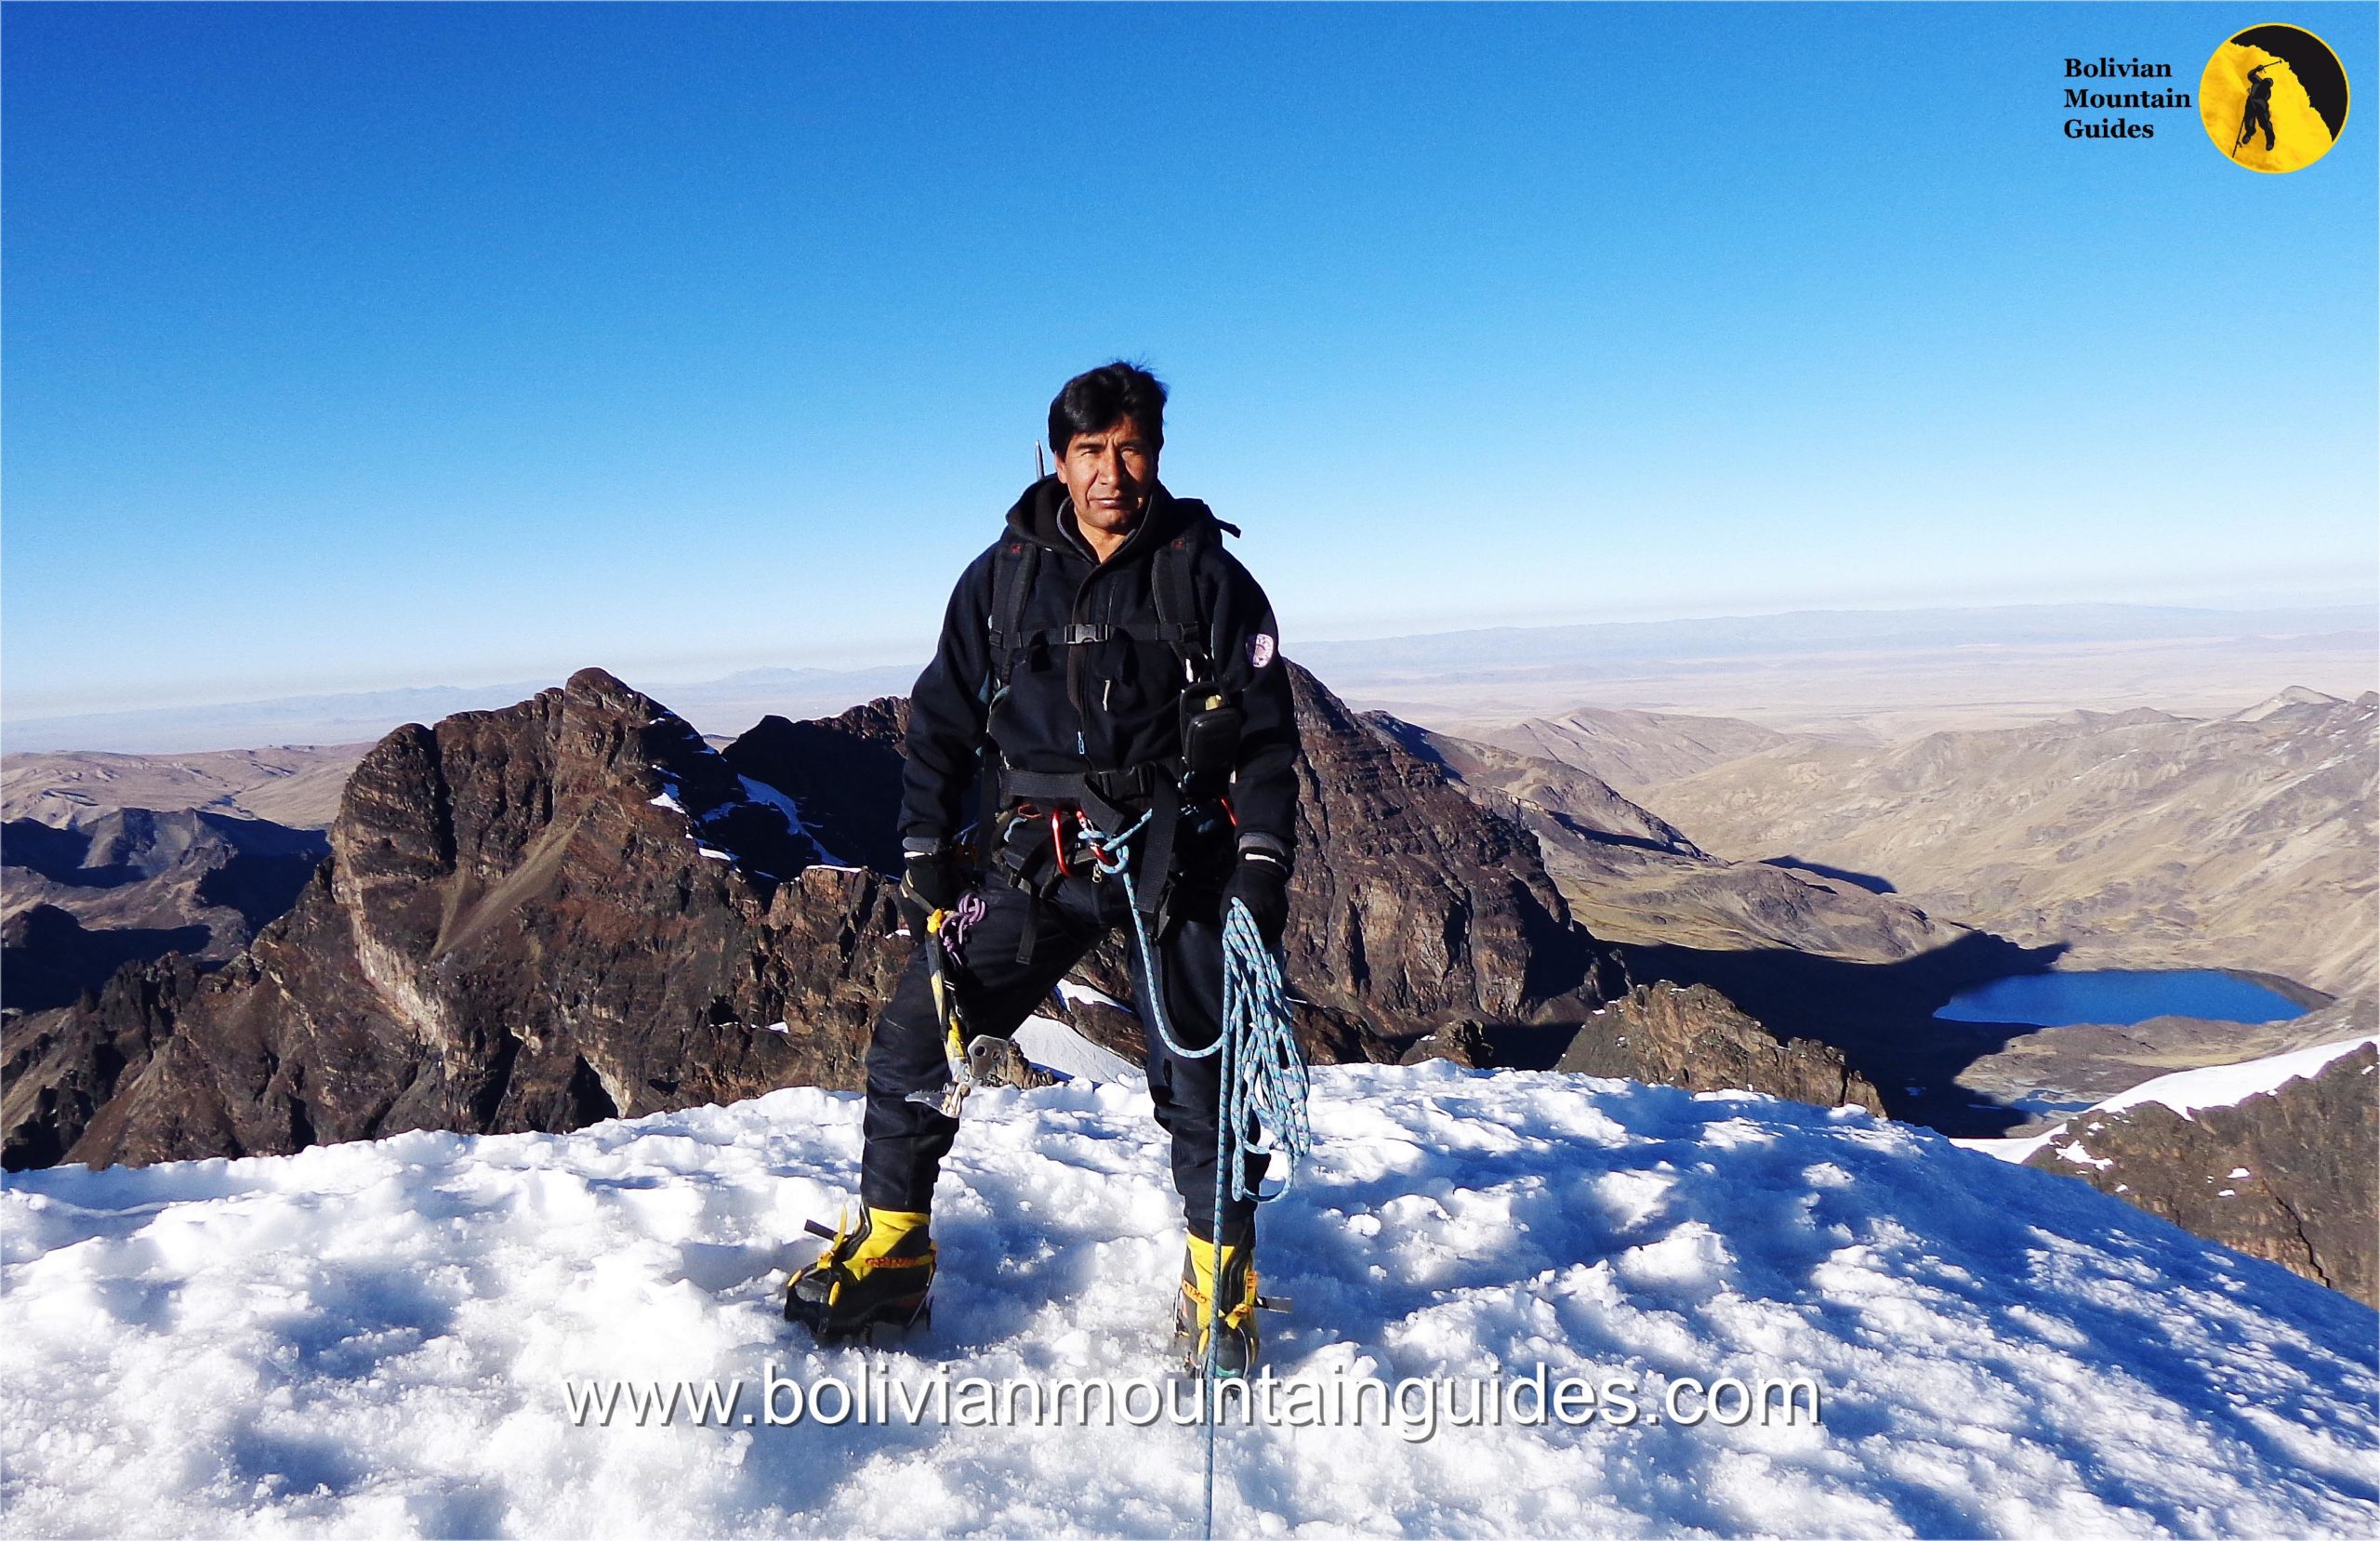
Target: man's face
[{"x": 1109, "y": 474}]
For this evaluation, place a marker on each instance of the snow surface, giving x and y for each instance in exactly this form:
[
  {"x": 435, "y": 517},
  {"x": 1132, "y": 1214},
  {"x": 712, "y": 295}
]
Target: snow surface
[
  {"x": 1053, "y": 1045},
  {"x": 763, "y": 793},
  {"x": 756, "y": 793},
  {"x": 2185, "y": 1091},
  {"x": 371, "y": 1338}
]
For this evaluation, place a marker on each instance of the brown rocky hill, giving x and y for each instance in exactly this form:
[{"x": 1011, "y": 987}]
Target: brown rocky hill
[
  {"x": 1633, "y": 878},
  {"x": 1693, "y": 1036},
  {"x": 2286, "y": 1175},
  {"x": 1412, "y": 903},
  {"x": 297, "y": 786},
  {"x": 2139, "y": 838},
  {"x": 79, "y": 900},
  {"x": 575, "y": 908},
  {"x": 1632, "y": 750}
]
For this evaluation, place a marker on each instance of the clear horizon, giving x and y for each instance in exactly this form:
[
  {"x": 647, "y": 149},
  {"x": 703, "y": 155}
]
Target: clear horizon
[
  {"x": 2318, "y": 600},
  {"x": 356, "y": 348}
]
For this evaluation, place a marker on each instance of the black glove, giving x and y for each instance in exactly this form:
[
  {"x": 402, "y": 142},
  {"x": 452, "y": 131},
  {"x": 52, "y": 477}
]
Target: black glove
[
  {"x": 1262, "y": 882},
  {"x": 928, "y": 882}
]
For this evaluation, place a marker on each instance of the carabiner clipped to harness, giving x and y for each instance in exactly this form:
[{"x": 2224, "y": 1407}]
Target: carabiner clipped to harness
[
  {"x": 1110, "y": 854},
  {"x": 1058, "y": 840}
]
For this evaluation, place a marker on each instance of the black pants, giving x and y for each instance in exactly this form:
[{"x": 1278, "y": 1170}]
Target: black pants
[{"x": 907, "y": 1141}]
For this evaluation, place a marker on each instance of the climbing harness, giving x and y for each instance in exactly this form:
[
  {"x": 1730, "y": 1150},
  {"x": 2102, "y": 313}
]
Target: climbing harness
[{"x": 1211, "y": 721}]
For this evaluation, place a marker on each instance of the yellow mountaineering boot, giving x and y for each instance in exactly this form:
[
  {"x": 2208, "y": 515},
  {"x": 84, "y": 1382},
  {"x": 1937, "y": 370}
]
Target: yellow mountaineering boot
[
  {"x": 878, "y": 1274},
  {"x": 1235, "y": 1333}
]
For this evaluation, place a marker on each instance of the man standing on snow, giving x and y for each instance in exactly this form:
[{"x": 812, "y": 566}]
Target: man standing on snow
[{"x": 1106, "y": 669}]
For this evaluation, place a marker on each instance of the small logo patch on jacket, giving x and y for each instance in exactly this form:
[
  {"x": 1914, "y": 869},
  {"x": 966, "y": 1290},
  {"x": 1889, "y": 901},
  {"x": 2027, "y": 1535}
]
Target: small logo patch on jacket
[{"x": 1260, "y": 649}]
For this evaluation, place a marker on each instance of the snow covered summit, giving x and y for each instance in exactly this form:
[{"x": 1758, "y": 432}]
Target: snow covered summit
[{"x": 392, "y": 1338}]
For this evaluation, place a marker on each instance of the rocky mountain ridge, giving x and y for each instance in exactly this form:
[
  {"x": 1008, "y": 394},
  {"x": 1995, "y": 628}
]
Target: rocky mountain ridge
[
  {"x": 574, "y": 908},
  {"x": 1634, "y": 879},
  {"x": 79, "y": 899},
  {"x": 1631, "y": 751},
  {"x": 2285, "y": 1173},
  {"x": 529, "y": 920},
  {"x": 297, "y": 786},
  {"x": 1693, "y": 1036},
  {"x": 2138, "y": 838}
]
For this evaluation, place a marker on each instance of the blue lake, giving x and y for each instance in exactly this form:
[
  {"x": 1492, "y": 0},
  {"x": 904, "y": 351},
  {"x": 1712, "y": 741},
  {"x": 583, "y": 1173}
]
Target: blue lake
[{"x": 2120, "y": 997}]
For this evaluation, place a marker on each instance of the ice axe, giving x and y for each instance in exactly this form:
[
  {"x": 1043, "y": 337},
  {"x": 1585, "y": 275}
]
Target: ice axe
[
  {"x": 981, "y": 1061},
  {"x": 954, "y": 1033}
]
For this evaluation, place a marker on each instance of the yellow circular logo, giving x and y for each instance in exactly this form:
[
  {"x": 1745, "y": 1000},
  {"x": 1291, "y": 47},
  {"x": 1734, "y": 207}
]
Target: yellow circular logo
[{"x": 2273, "y": 97}]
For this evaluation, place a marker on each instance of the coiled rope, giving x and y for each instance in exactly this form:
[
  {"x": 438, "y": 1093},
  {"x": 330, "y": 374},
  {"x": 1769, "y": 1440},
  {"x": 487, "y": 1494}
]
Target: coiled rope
[{"x": 1262, "y": 1084}]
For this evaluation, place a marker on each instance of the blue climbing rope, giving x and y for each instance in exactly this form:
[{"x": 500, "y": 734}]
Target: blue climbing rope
[{"x": 1261, "y": 1083}]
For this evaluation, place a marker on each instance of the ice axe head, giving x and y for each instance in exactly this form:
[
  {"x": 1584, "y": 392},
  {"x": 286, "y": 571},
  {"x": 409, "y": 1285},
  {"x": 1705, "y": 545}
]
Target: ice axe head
[{"x": 946, "y": 1101}]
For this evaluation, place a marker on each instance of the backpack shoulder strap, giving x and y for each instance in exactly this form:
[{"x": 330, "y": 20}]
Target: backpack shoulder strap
[
  {"x": 1181, "y": 625},
  {"x": 1184, "y": 623},
  {"x": 1012, "y": 570}
]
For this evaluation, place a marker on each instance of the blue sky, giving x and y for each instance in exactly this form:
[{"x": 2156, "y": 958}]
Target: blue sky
[{"x": 353, "y": 345}]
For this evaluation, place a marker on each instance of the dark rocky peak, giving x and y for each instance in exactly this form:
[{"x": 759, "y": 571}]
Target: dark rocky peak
[
  {"x": 1693, "y": 1036},
  {"x": 843, "y": 775},
  {"x": 1414, "y": 907},
  {"x": 531, "y": 918},
  {"x": 2285, "y": 1175},
  {"x": 486, "y": 794},
  {"x": 883, "y": 720}
]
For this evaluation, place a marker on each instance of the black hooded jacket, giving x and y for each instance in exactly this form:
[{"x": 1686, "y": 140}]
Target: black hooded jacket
[{"x": 1130, "y": 691}]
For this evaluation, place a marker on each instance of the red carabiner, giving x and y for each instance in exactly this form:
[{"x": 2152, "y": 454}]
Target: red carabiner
[{"x": 1058, "y": 845}]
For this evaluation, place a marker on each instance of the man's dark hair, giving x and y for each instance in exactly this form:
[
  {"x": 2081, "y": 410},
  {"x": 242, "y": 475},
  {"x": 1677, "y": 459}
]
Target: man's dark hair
[{"x": 1098, "y": 398}]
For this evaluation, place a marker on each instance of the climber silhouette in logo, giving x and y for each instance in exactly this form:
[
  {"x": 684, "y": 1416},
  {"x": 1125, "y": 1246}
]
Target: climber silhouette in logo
[{"x": 2259, "y": 109}]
